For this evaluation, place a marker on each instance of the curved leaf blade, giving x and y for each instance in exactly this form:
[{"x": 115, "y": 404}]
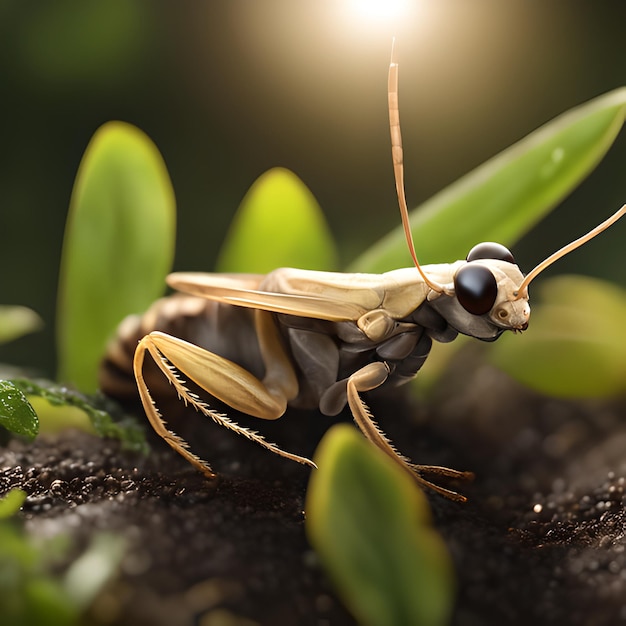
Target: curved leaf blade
[
  {"x": 17, "y": 321},
  {"x": 371, "y": 526},
  {"x": 278, "y": 224},
  {"x": 574, "y": 346},
  {"x": 503, "y": 198},
  {"x": 118, "y": 248},
  {"x": 16, "y": 413}
]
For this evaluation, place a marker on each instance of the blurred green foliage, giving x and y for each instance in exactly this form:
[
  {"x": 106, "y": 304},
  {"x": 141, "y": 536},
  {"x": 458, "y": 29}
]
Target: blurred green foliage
[
  {"x": 278, "y": 223},
  {"x": 118, "y": 248},
  {"x": 503, "y": 198},
  {"x": 32, "y": 590},
  {"x": 576, "y": 344},
  {"x": 17, "y": 321},
  {"x": 107, "y": 35},
  {"x": 372, "y": 529}
]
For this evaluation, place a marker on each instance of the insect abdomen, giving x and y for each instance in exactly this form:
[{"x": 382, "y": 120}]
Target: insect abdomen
[{"x": 223, "y": 329}]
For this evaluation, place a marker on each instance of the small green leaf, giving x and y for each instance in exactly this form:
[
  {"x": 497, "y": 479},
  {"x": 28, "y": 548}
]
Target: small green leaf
[
  {"x": 371, "y": 526},
  {"x": 11, "y": 503},
  {"x": 55, "y": 418},
  {"x": 574, "y": 345},
  {"x": 97, "y": 409},
  {"x": 16, "y": 413},
  {"x": 278, "y": 224},
  {"x": 503, "y": 198},
  {"x": 16, "y": 321},
  {"x": 118, "y": 248}
]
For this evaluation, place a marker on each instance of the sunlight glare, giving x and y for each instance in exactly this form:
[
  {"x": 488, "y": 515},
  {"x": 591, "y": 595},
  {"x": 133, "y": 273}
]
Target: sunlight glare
[{"x": 380, "y": 9}]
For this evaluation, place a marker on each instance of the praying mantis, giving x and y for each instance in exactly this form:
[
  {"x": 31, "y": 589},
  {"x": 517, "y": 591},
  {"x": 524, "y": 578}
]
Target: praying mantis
[{"x": 319, "y": 340}]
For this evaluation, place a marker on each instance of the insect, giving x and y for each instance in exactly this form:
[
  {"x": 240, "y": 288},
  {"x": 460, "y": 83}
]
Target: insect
[{"x": 311, "y": 339}]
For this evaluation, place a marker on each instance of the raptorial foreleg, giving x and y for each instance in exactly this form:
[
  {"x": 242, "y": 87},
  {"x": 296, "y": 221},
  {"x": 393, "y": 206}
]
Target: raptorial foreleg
[{"x": 222, "y": 379}]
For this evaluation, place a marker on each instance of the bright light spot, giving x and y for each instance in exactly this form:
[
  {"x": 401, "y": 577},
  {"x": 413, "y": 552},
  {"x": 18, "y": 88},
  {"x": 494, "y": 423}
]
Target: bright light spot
[
  {"x": 538, "y": 508},
  {"x": 375, "y": 20},
  {"x": 381, "y": 9}
]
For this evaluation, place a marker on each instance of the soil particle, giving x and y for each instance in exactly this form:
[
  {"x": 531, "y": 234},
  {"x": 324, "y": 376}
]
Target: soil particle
[{"x": 541, "y": 539}]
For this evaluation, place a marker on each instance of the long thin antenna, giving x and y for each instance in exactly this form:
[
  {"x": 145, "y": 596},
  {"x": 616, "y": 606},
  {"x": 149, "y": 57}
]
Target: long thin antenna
[
  {"x": 398, "y": 162},
  {"x": 567, "y": 249}
]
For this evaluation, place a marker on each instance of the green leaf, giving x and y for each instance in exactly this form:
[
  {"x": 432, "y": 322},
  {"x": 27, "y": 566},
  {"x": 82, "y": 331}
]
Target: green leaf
[
  {"x": 574, "y": 345},
  {"x": 16, "y": 321},
  {"x": 33, "y": 589},
  {"x": 503, "y": 198},
  {"x": 98, "y": 409},
  {"x": 43, "y": 603},
  {"x": 11, "y": 503},
  {"x": 16, "y": 413},
  {"x": 371, "y": 527},
  {"x": 118, "y": 248},
  {"x": 55, "y": 418},
  {"x": 278, "y": 224}
]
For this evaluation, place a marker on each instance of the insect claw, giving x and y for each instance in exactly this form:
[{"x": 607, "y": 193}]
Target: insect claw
[
  {"x": 210, "y": 474},
  {"x": 418, "y": 472},
  {"x": 446, "y": 493}
]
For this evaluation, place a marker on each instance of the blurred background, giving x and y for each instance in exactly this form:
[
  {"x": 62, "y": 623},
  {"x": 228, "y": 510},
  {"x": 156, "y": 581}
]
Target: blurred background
[{"x": 230, "y": 88}]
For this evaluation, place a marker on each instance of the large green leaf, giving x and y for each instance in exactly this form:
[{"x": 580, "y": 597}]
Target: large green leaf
[
  {"x": 119, "y": 245},
  {"x": 278, "y": 224},
  {"x": 371, "y": 526},
  {"x": 503, "y": 198},
  {"x": 574, "y": 345}
]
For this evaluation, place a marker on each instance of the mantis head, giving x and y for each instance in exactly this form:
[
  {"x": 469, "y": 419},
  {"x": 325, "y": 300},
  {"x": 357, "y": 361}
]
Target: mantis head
[{"x": 489, "y": 284}]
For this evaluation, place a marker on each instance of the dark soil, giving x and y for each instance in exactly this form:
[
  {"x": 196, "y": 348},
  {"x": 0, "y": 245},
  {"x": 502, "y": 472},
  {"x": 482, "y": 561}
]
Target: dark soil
[{"x": 540, "y": 541}]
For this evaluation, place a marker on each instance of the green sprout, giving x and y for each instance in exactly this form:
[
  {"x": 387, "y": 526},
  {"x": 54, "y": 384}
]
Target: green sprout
[
  {"x": 279, "y": 208},
  {"x": 118, "y": 248},
  {"x": 372, "y": 528}
]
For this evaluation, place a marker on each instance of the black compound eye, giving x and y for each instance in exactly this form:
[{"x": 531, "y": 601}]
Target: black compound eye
[
  {"x": 476, "y": 288},
  {"x": 490, "y": 250}
]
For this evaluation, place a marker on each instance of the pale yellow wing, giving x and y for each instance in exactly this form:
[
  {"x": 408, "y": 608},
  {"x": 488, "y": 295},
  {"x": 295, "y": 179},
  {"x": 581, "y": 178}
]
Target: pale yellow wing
[{"x": 239, "y": 290}]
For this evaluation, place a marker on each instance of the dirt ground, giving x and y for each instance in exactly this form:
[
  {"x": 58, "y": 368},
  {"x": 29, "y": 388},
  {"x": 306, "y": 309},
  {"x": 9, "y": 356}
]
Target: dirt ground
[{"x": 540, "y": 541}]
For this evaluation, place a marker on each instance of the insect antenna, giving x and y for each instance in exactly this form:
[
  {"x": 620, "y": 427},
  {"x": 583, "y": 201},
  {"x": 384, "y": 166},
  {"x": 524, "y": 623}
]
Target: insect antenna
[
  {"x": 567, "y": 249},
  {"x": 398, "y": 163}
]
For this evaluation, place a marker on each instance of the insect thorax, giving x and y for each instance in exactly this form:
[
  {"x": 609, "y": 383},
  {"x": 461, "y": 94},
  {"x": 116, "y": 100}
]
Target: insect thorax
[{"x": 328, "y": 353}]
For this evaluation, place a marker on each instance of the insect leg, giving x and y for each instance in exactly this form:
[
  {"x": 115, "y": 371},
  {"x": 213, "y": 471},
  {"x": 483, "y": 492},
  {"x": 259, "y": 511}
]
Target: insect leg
[
  {"x": 221, "y": 378},
  {"x": 367, "y": 378}
]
